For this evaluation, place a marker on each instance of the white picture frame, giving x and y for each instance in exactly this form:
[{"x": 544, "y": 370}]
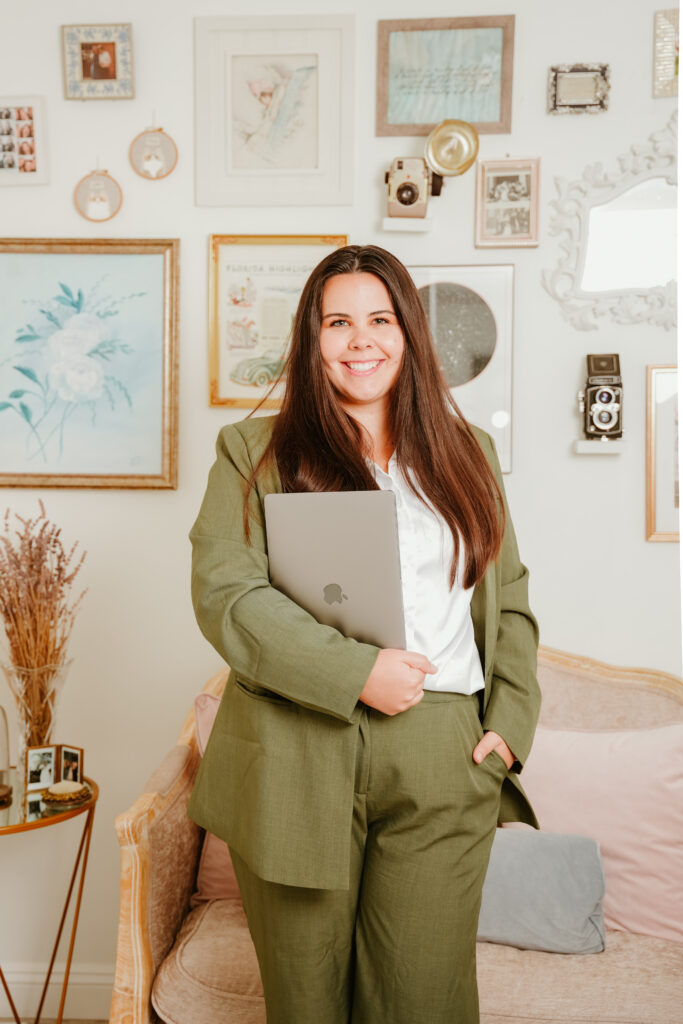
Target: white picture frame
[
  {"x": 479, "y": 300},
  {"x": 22, "y": 125},
  {"x": 274, "y": 110}
]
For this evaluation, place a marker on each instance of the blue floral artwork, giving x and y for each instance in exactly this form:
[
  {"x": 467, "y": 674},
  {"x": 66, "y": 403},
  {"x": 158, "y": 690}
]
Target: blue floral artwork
[
  {"x": 81, "y": 363},
  {"x": 98, "y": 61}
]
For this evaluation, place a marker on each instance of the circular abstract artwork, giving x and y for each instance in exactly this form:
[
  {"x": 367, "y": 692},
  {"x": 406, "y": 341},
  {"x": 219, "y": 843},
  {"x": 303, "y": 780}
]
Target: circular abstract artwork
[{"x": 463, "y": 327}]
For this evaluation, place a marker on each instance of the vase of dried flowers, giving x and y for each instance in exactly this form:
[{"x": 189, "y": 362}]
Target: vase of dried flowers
[{"x": 38, "y": 611}]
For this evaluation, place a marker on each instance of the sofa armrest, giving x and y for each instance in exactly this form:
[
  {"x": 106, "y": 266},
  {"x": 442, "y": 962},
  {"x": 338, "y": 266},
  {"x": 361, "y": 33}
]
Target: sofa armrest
[{"x": 159, "y": 851}]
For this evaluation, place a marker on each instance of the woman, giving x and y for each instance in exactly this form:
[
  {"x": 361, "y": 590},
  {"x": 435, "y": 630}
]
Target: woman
[{"x": 359, "y": 789}]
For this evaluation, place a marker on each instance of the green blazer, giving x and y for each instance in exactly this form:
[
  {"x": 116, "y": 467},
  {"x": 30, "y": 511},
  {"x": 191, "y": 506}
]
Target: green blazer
[{"x": 276, "y": 780}]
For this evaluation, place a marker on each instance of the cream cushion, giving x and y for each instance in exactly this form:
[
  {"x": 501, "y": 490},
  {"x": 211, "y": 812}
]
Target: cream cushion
[{"x": 212, "y": 975}]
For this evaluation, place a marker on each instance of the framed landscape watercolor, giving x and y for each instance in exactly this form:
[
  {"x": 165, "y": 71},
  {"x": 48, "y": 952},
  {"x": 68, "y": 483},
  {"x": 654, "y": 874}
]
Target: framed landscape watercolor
[
  {"x": 662, "y": 477},
  {"x": 23, "y": 149},
  {"x": 98, "y": 61},
  {"x": 470, "y": 315},
  {"x": 433, "y": 69},
  {"x": 88, "y": 362},
  {"x": 506, "y": 209},
  {"x": 254, "y": 286},
  {"x": 274, "y": 110}
]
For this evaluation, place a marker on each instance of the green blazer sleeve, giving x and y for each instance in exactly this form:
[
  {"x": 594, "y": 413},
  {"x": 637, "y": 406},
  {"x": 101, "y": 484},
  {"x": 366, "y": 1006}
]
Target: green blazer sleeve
[
  {"x": 514, "y": 701},
  {"x": 266, "y": 638}
]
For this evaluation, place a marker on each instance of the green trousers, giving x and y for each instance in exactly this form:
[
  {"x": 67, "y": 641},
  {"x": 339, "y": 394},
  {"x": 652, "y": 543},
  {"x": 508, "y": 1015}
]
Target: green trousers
[{"x": 397, "y": 947}]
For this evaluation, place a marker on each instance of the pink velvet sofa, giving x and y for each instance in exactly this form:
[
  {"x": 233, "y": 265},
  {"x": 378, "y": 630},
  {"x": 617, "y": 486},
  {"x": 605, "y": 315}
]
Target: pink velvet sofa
[{"x": 183, "y": 962}]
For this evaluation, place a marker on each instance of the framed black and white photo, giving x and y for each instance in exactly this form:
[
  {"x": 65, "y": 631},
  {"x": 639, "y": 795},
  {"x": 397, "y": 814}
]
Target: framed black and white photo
[
  {"x": 41, "y": 767},
  {"x": 470, "y": 315},
  {"x": 98, "y": 62},
  {"x": 70, "y": 764},
  {"x": 274, "y": 99},
  {"x": 506, "y": 211}
]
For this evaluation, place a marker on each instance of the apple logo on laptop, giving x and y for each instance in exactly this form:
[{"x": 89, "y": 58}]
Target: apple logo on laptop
[{"x": 333, "y": 594}]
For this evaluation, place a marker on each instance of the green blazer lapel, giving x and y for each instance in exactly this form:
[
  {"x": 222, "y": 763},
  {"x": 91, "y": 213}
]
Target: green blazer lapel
[{"x": 483, "y": 611}]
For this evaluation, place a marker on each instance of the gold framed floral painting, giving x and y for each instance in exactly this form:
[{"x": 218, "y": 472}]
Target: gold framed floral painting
[
  {"x": 254, "y": 286},
  {"x": 88, "y": 362}
]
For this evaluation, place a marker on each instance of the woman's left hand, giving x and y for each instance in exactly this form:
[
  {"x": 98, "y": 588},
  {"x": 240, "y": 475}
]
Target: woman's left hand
[{"x": 492, "y": 741}]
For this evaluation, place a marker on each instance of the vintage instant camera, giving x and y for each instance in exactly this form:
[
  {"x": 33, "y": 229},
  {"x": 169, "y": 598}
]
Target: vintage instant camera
[
  {"x": 410, "y": 182},
  {"x": 602, "y": 400}
]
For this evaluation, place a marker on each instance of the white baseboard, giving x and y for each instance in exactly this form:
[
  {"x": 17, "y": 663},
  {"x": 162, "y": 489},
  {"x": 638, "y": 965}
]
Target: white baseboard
[{"x": 88, "y": 995}]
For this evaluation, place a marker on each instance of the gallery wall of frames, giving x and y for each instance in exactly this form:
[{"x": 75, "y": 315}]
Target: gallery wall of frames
[{"x": 165, "y": 189}]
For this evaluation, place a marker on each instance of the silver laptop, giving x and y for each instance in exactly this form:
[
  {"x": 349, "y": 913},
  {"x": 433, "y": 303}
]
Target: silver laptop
[{"x": 336, "y": 554}]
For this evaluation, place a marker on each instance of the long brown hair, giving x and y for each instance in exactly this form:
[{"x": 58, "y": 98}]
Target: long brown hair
[{"x": 318, "y": 446}]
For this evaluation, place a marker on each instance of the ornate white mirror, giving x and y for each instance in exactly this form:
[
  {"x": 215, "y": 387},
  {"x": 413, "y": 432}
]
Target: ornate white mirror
[{"x": 618, "y": 239}]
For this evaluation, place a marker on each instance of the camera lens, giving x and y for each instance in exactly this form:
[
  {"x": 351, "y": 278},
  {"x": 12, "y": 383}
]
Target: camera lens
[
  {"x": 605, "y": 396},
  {"x": 407, "y": 193},
  {"x": 604, "y": 417}
]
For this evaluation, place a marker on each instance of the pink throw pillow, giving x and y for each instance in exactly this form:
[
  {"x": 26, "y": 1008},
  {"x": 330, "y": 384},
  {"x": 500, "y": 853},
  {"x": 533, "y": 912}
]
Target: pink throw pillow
[
  {"x": 624, "y": 789},
  {"x": 215, "y": 873}
]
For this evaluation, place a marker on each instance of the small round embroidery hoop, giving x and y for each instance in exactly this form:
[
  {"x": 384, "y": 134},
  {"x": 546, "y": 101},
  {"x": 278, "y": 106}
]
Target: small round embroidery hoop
[
  {"x": 99, "y": 176},
  {"x": 168, "y": 143}
]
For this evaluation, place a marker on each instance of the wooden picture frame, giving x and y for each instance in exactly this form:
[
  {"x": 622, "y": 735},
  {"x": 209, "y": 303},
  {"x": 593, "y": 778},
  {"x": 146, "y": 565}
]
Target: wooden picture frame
[
  {"x": 274, "y": 106},
  {"x": 88, "y": 362},
  {"x": 433, "y": 69},
  {"x": 507, "y": 203},
  {"x": 255, "y": 282},
  {"x": 23, "y": 141},
  {"x": 662, "y": 464},
  {"x": 98, "y": 61},
  {"x": 39, "y": 762},
  {"x": 70, "y": 763}
]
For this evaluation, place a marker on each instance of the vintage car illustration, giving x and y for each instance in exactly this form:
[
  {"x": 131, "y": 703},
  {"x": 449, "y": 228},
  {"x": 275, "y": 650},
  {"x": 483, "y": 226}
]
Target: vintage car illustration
[{"x": 260, "y": 370}]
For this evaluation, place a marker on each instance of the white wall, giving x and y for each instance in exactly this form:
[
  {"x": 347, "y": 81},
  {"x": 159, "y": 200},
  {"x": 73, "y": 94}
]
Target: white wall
[{"x": 597, "y": 586}]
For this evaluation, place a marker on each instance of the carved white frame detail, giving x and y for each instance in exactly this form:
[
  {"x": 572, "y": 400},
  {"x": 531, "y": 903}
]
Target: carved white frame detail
[{"x": 654, "y": 159}]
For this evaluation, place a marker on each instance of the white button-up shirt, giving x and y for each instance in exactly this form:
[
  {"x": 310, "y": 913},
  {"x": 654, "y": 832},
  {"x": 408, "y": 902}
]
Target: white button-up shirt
[{"x": 438, "y": 621}]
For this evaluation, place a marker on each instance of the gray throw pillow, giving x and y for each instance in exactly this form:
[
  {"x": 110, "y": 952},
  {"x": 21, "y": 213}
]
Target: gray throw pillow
[{"x": 543, "y": 891}]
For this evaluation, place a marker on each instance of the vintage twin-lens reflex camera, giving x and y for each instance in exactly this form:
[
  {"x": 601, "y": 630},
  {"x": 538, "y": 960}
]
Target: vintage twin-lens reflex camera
[
  {"x": 602, "y": 400},
  {"x": 410, "y": 183}
]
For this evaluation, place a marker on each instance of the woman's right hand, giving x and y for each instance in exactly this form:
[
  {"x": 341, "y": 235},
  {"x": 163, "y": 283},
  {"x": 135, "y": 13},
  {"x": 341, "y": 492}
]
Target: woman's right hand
[{"x": 396, "y": 681}]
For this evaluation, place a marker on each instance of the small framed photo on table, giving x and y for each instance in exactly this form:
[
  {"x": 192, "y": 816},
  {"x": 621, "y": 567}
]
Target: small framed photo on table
[
  {"x": 41, "y": 767},
  {"x": 98, "y": 62},
  {"x": 506, "y": 212},
  {"x": 70, "y": 764}
]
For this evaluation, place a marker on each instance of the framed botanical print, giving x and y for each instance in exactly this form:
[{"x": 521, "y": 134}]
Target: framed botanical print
[
  {"x": 470, "y": 314},
  {"x": 274, "y": 110},
  {"x": 98, "y": 62},
  {"x": 662, "y": 476},
  {"x": 254, "y": 286},
  {"x": 433, "y": 69},
  {"x": 506, "y": 210},
  {"x": 23, "y": 148},
  {"x": 88, "y": 362}
]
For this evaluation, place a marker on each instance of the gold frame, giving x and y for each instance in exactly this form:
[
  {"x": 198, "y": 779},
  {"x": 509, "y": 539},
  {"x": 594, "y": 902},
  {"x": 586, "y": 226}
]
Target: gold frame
[
  {"x": 215, "y": 242},
  {"x": 170, "y": 249},
  {"x": 651, "y": 533},
  {"x": 506, "y": 22}
]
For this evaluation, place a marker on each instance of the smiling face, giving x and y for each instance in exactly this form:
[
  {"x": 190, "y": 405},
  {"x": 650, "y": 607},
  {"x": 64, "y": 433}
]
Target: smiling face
[{"x": 361, "y": 341}]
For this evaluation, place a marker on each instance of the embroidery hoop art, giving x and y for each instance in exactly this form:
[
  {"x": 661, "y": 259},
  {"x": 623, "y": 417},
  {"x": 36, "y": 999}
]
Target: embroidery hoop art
[
  {"x": 159, "y": 139},
  {"x": 101, "y": 190}
]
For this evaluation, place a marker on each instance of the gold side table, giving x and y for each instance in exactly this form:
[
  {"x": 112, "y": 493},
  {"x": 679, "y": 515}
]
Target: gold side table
[{"x": 27, "y": 812}]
